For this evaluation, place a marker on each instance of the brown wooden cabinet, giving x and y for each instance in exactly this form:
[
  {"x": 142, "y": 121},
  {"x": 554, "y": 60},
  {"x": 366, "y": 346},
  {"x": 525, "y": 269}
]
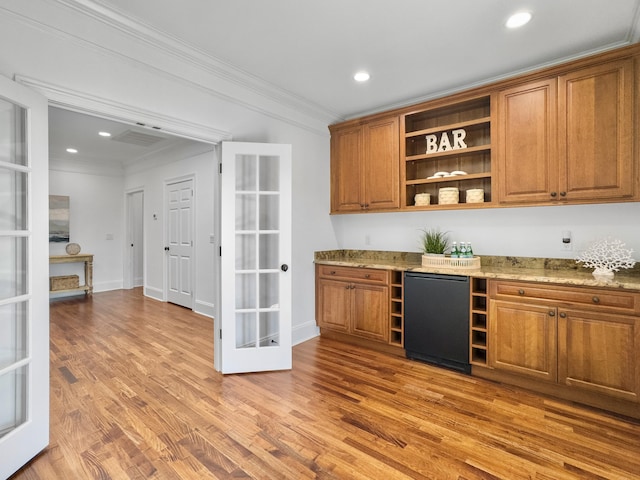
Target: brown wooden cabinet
[
  {"x": 599, "y": 352},
  {"x": 568, "y": 138},
  {"x": 562, "y": 135},
  {"x": 584, "y": 340},
  {"x": 365, "y": 166},
  {"x": 354, "y": 301},
  {"x": 523, "y": 339}
]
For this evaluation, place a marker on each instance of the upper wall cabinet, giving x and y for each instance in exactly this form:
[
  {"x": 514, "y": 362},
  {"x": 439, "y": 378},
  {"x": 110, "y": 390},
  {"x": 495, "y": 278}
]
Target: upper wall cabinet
[
  {"x": 365, "y": 166},
  {"x": 566, "y": 134},
  {"x": 446, "y": 154},
  {"x": 568, "y": 138}
]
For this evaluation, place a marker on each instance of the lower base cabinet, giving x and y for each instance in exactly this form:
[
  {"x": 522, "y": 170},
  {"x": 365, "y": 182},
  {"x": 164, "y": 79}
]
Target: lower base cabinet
[
  {"x": 353, "y": 301},
  {"x": 580, "y": 343},
  {"x": 523, "y": 339},
  {"x": 599, "y": 353}
]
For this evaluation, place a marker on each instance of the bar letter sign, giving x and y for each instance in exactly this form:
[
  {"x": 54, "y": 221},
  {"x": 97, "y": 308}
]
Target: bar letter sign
[{"x": 435, "y": 145}]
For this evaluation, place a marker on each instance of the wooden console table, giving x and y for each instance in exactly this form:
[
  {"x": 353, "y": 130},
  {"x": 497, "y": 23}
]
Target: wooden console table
[{"x": 87, "y": 288}]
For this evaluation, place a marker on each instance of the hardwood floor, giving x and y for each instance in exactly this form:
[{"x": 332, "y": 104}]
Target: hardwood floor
[{"x": 134, "y": 396}]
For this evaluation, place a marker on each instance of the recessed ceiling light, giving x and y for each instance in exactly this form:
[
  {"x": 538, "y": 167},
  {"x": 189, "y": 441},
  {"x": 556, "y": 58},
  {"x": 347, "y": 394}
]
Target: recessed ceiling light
[
  {"x": 72, "y": 150},
  {"x": 361, "y": 77},
  {"x": 104, "y": 134},
  {"x": 518, "y": 19}
]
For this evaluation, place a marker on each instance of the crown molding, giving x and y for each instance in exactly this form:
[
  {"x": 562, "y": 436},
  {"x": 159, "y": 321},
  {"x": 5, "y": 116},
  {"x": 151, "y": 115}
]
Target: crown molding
[
  {"x": 140, "y": 32},
  {"x": 81, "y": 102},
  {"x": 488, "y": 81}
]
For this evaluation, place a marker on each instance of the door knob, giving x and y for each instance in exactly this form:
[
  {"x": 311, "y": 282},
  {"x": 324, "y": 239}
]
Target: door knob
[{"x": 284, "y": 267}]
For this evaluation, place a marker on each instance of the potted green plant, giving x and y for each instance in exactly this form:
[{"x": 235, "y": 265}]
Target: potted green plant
[{"x": 434, "y": 241}]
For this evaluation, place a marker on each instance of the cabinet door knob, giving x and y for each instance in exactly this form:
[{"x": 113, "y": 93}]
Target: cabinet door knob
[
  {"x": 332, "y": 272},
  {"x": 367, "y": 275},
  {"x": 553, "y": 194},
  {"x": 563, "y": 194},
  {"x": 596, "y": 299},
  {"x": 552, "y": 313},
  {"x": 563, "y": 315},
  {"x": 347, "y": 287},
  {"x": 520, "y": 292}
]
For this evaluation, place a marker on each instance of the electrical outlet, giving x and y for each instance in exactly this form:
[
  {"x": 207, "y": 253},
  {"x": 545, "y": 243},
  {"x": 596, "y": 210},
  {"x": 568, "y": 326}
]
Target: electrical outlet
[{"x": 567, "y": 241}]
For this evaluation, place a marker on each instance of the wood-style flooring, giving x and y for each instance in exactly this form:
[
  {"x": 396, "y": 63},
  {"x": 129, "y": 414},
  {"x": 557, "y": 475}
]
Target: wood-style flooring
[{"x": 134, "y": 395}]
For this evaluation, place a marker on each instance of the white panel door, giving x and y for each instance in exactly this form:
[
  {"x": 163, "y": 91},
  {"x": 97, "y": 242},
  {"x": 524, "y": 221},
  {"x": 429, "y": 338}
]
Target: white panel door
[
  {"x": 24, "y": 272},
  {"x": 180, "y": 243},
  {"x": 256, "y": 251}
]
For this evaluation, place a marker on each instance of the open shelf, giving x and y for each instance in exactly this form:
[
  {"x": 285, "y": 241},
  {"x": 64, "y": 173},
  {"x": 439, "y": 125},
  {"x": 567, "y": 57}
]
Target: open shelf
[
  {"x": 396, "y": 334},
  {"x": 454, "y": 137},
  {"x": 478, "y": 331}
]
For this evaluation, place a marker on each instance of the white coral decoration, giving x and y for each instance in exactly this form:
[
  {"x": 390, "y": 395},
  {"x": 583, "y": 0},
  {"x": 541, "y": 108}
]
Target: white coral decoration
[{"x": 607, "y": 255}]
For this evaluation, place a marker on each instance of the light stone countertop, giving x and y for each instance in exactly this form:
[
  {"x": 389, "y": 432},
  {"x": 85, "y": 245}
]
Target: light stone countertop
[{"x": 530, "y": 269}]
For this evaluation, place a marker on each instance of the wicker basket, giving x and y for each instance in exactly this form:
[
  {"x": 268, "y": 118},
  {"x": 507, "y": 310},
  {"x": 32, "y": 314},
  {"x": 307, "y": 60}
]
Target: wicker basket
[
  {"x": 421, "y": 199},
  {"x": 475, "y": 195},
  {"x": 442, "y": 262},
  {"x": 448, "y": 196},
  {"x": 63, "y": 282}
]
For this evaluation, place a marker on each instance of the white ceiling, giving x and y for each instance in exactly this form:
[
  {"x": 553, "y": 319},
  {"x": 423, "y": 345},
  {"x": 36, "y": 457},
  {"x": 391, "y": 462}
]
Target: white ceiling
[{"x": 413, "y": 49}]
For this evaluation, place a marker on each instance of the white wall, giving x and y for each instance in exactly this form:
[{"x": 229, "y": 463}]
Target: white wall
[
  {"x": 96, "y": 223},
  {"x": 526, "y": 232}
]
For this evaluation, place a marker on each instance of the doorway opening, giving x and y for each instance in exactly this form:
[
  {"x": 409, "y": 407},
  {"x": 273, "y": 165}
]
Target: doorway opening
[
  {"x": 134, "y": 252},
  {"x": 128, "y": 165}
]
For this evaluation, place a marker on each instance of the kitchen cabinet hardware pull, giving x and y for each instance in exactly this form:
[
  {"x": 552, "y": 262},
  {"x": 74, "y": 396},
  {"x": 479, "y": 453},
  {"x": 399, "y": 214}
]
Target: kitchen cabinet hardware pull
[
  {"x": 563, "y": 194},
  {"x": 520, "y": 292},
  {"x": 563, "y": 315},
  {"x": 367, "y": 275},
  {"x": 553, "y": 194},
  {"x": 552, "y": 313},
  {"x": 332, "y": 272},
  {"x": 596, "y": 299}
]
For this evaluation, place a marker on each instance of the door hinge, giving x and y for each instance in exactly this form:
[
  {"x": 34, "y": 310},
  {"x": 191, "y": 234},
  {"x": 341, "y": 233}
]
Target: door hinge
[
  {"x": 220, "y": 251},
  {"x": 220, "y": 334},
  {"x": 220, "y": 168}
]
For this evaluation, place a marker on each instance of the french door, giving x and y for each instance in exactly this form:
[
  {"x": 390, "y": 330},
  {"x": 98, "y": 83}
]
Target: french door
[
  {"x": 256, "y": 250},
  {"x": 24, "y": 272}
]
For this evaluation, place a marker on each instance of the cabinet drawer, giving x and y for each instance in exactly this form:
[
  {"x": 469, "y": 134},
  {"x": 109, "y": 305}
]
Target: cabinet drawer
[
  {"x": 603, "y": 299},
  {"x": 369, "y": 275}
]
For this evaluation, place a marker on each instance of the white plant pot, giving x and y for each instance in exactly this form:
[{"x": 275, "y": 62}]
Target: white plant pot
[{"x": 602, "y": 274}]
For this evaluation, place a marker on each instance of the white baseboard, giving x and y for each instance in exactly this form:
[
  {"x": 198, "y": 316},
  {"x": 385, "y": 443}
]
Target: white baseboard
[
  {"x": 304, "y": 332},
  {"x": 205, "y": 308},
  {"x": 154, "y": 293},
  {"x": 107, "y": 286}
]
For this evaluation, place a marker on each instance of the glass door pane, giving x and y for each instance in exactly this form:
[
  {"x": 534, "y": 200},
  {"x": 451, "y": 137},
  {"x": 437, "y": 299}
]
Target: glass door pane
[
  {"x": 14, "y": 178},
  {"x": 257, "y": 252}
]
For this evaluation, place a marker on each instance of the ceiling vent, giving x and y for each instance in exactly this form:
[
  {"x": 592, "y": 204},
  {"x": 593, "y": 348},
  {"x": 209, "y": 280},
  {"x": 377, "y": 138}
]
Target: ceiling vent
[{"x": 137, "y": 138}]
